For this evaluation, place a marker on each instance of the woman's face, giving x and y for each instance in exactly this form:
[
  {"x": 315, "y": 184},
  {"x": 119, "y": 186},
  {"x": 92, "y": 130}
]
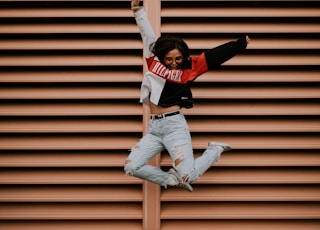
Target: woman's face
[{"x": 173, "y": 59}]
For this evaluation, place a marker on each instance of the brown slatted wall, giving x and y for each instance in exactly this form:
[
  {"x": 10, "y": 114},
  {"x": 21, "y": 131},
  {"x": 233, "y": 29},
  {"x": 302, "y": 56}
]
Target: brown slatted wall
[
  {"x": 264, "y": 102},
  {"x": 70, "y": 77},
  {"x": 70, "y": 73}
]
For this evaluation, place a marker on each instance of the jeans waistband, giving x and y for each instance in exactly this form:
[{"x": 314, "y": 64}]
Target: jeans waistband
[{"x": 160, "y": 116}]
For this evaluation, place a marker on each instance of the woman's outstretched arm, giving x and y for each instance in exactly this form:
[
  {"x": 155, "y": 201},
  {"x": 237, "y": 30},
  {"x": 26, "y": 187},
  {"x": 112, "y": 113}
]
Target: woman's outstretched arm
[{"x": 147, "y": 34}]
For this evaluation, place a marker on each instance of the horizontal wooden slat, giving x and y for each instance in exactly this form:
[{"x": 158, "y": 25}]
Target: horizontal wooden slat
[
  {"x": 240, "y": 224},
  {"x": 76, "y": 224},
  {"x": 72, "y": 211},
  {"x": 67, "y": 28},
  {"x": 256, "y": 43},
  {"x": 67, "y": 176},
  {"x": 274, "y": 60},
  {"x": 254, "y": 92},
  {"x": 75, "y": 142},
  {"x": 201, "y": 108},
  {"x": 71, "y": 44},
  {"x": 259, "y": 175},
  {"x": 70, "y": 109},
  {"x": 250, "y": 28},
  {"x": 73, "y": 92},
  {"x": 112, "y": 158},
  {"x": 65, "y": 12},
  {"x": 254, "y": 125},
  {"x": 71, "y": 60},
  {"x": 80, "y": 193},
  {"x": 254, "y": 108},
  {"x": 260, "y": 141},
  {"x": 73, "y": 126},
  {"x": 118, "y": 60},
  {"x": 58, "y": 158},
  {"x": 73, "y": 76},
  {"x": 244, "y": 193},
  {"x": 120, "y": 44},
  {"x": 254, "y": 158},
  {"x": 166, "y": 28},
  {"x": 196, "y": 125},
  {"x": 135, "y": 76},
  {"x": 260, "y": 76},
  {"x": 232, "y": 12},
  {"x": 99, "y": 142},
  {"x": 215, "y": 175},
  {"x": 239, "y": 210},
  {"x": 165, "y": 12}
]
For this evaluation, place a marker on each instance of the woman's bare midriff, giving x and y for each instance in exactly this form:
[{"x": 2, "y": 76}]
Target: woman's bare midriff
[{"x": 155, "y": 109}]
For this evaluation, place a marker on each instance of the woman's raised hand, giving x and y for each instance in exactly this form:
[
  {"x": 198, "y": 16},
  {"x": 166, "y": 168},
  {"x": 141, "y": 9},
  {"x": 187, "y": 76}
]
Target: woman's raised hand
[{"x": 134, "y": 3}]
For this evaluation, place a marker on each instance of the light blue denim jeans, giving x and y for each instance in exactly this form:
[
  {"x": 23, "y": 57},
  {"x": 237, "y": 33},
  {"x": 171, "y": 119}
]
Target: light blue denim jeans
[{"x": 171, "y": 133}]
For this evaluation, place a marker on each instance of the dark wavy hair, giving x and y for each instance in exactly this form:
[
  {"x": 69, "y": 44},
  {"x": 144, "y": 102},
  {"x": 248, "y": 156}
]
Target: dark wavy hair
[{"x": 166, "y": 43}]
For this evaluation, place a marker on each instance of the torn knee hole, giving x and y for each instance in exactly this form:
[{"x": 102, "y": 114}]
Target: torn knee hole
[
  {"x": 178, "y": 161},
  {"x": 136, "y": 147},
  {"x": 185, "y": 177},
  {"x": 179, "y": 153}
]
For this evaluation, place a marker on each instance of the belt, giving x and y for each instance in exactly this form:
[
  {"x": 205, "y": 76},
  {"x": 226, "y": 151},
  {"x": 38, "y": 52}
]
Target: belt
[{"x": 160, "y": 116}]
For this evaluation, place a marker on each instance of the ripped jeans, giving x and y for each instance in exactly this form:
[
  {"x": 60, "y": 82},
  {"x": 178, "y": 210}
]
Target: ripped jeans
[{"x": 171, "y": 133}]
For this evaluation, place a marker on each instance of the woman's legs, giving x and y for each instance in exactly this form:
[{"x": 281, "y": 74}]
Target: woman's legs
[
  {"x": 210, "y": 156},
  {"x": 179, "y": 145},
  {"x": 136, "y": 163}
]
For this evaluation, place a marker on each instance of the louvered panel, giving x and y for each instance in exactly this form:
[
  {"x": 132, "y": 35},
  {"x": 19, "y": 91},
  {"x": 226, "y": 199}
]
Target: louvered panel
[
  {"x": 70, "y": 113},
  {"x": 66, "y": 133},
  {"x": 261, "y": 102}
]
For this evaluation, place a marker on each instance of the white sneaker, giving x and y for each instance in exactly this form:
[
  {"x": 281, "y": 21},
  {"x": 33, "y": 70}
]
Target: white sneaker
[
  {"x": 226, "y": 147},
  {"x": 180, "y": 182}
]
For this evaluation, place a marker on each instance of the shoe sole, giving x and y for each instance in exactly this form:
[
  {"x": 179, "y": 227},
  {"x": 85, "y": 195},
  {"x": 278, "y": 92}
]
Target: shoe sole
[
  {"x": 174, "y": 172},
  {"x": 226, "y": 147}
]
